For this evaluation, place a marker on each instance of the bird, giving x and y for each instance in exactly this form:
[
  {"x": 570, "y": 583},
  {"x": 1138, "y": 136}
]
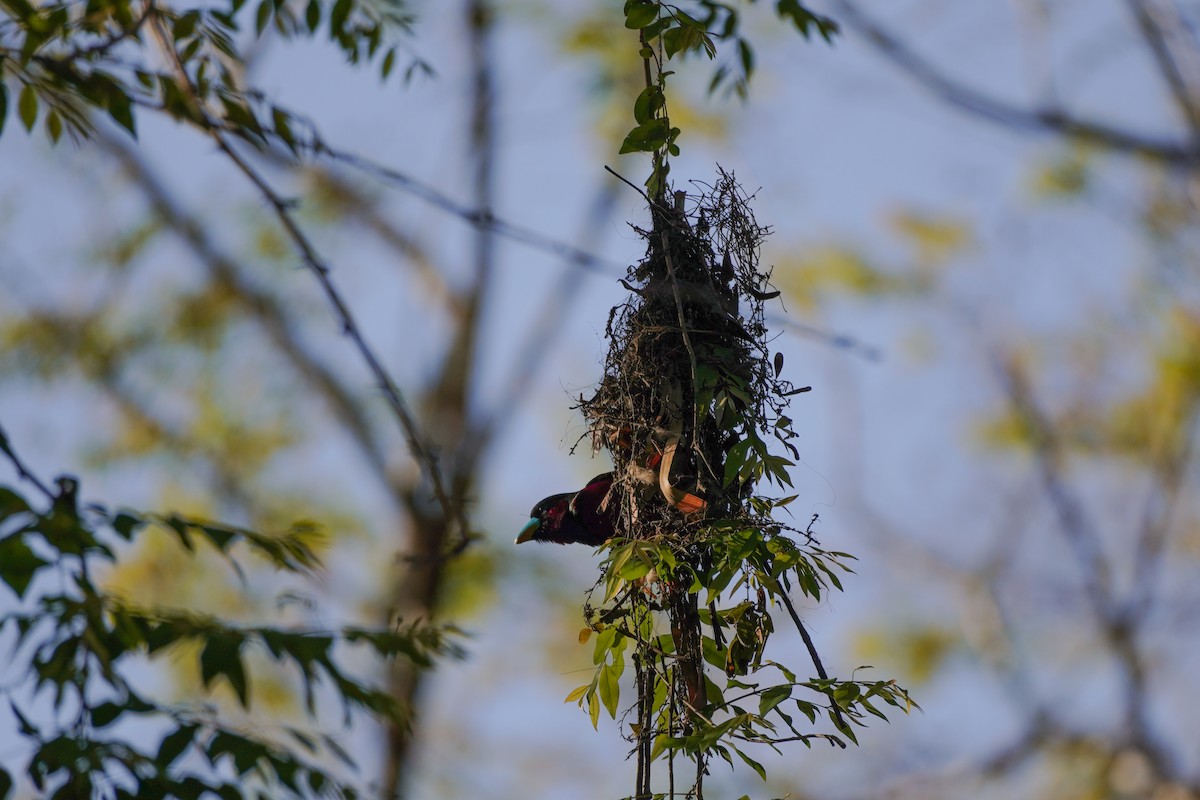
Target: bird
[{"x": 581, "y": 517}]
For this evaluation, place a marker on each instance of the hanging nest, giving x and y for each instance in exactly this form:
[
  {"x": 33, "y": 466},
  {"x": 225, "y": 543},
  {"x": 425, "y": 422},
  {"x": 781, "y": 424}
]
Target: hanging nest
[
  {"x": 689, "y": 395},
  {"x": 688, "y": 408},
  {"x": 688, "y": 371}
]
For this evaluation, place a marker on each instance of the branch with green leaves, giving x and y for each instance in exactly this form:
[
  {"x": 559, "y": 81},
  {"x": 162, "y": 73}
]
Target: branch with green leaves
[
  {"x": 673, "y": 31},
  {"x": 78, "y": 644},
  {"x": 77, "y": 64}
]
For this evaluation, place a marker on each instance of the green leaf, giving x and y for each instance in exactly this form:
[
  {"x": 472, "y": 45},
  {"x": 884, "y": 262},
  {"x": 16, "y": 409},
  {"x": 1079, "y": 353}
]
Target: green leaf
[
  {"x": 754, "y": 765},
  {"x": 106, "y": 714},
  {"x": 312, "y": 16},
  {"x": 338, "y": 751},
  {"x": 683, "y": 39},
  {"x": 241, "y": 116},
  {"x": 185, "y": 25},
  {"x": 647, "y": 105},
  {"x": 594, "y": 709},
  {"x": 772, "y": 697},
  {"x": 220, "y": 537},
  {"x": 646, "y": 137},
  {"x": 640, "y": 15},
  {"x": 747, "y": 56},
  {"x": 805, "y": 20},
  {"x": 173, "y": 745},
  {"x": 735, "y": 460},
  {"x": 121, "y": 110},
  {"x": 23, "y": 724},
  {"x": 261, "y": 17},
  {"x": 846, "y": 694},
  {"x": 54, "y": 126},
  {"x": 610, "y": 690},
  {"x": 11, "y": 502},
  {"x": 27, "y": 107},
  {"x": 18, "y": 563},
  {"x": 339, "y": 15},
  {"x": 222, "y": 656},
  {"x": 125, "y": 524},
  {"x": 6, "y": 784},
  {"x": 389, "y": 61},
  {"x": 603, "y": 644}
]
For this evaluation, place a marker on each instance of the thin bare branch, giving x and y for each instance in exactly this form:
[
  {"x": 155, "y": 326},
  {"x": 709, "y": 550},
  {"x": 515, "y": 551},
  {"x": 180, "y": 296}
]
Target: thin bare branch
[
  {"x": 478, "y": 217},
  {"x": 1158, "y": 513},
  {"x": 264, "y": 309},
  {"x": 23, "y": 472},
  {"x": 839, "y": 341},
  {"x": 1168, "y": 66},
  {"x": 361, "y": 208},
  {"x": 1046, "y": 120},
  {"x": 1073, "y": 521},
  {"x": 425, "y": 457},
  {"x": 815, "y": 656}
]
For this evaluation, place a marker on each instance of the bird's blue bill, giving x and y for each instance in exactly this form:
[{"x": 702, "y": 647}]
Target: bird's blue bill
[{"x": 529, "y": 531}]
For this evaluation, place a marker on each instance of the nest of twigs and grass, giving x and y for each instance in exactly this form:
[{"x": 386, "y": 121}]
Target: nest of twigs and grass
[
  {"x": 689, "y": 373},
  {"x": 691, "y": 409}
]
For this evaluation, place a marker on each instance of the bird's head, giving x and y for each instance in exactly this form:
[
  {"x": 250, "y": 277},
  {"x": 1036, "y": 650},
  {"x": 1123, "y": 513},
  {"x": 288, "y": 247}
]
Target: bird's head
[{"x": 546, "y": 519}]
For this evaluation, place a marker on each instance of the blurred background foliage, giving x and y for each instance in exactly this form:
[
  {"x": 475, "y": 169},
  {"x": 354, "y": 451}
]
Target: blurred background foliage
[{"x": 995, "y": 203}]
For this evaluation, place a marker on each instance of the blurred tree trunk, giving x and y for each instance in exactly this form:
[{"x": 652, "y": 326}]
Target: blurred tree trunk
[{"x": 448, "y": 419}]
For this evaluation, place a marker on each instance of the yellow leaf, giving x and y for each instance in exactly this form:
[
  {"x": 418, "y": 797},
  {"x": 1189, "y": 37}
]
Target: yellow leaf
[
  {"x": 936, "y": 239},
  {"x": 594, "y": 709}
]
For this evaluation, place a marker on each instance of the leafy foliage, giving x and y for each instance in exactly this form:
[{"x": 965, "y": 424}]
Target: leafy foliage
[
  {"x": 666, "y": 32},
  {"x": 73, "y": 60},
  {"x": 76, "y": 647}
]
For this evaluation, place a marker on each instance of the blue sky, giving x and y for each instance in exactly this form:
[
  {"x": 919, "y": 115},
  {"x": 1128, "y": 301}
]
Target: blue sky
[{"x": 834, "y": 140}]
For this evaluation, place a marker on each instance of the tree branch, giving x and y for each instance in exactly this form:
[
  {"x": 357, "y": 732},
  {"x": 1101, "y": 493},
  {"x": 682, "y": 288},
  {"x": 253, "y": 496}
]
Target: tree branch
[
  {"x": 350, "y": 329},
  {"x": 479, "y": 217},
  {"x": 264, "y": 309},
  {"x": 23, "y": 472},
  {"x": 1076, "y": 526},
  {"x": 308, "y": 254},
  {"x": 1047, "y": 120},
  {"x": 1156, "y": 40}
]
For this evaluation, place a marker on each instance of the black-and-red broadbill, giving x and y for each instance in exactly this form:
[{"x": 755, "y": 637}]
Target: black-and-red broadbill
[{"x": 581, "y": 517}]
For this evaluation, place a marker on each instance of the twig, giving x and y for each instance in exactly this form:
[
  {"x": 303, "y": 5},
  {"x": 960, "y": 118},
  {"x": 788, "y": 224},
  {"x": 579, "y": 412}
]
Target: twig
[
  {"x": 320, "y": 270},
  {"x": 23, "y": 472},
  {"x": 263, "y": 308},
  {"x": 350, "y": 328},
  {"x": 1158, "y": 514},
  {"x": 1153, "y": 33},
  {"x": 1051, "y": 120},
  {"x": 480, "y": 218},
  {"x": 816, "y": 658},
  {"x": 840, "y": 341},
  {"x": 1078, "y": 529},
  {"x": 628, "y": 183}
]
